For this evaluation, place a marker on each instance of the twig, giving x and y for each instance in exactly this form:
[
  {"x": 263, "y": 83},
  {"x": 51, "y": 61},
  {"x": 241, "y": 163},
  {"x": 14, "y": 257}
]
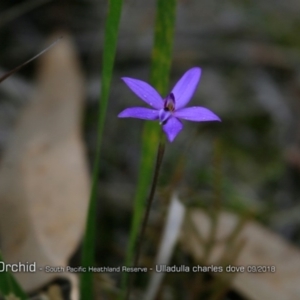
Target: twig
[{"x": 2, "y": 78}]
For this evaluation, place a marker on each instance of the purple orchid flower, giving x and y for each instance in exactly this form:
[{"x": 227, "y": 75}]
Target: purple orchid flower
[{"x": 169, "y": 110}]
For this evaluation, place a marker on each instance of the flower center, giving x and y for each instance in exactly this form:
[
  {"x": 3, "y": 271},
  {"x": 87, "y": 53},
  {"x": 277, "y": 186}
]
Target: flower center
[
  {"x": 169, "y": 104},
  {"x": 169, "y": 107}
]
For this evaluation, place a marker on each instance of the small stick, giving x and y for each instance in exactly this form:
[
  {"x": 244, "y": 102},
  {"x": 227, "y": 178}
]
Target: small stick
[{"x": 6, "y": 75}]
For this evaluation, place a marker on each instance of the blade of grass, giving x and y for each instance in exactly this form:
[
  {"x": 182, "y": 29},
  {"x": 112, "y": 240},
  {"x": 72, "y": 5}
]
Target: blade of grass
[
  {"x": 9, "y": 286},
  {"x": 109, "y": 51},
  {"x": 160, "y": 69}
]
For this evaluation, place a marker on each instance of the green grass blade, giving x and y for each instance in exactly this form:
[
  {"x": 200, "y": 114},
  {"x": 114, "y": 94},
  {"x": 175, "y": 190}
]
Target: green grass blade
[
  {"x": 160, "y": 69},
  {"x": 163, "y": 45},
  {"x": 110, "y": 44},
  {"x": 9, "y": 286}
]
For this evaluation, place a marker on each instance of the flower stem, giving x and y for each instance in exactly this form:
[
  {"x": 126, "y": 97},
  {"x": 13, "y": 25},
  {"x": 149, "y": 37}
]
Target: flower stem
[{"x": 159, "y": 158}]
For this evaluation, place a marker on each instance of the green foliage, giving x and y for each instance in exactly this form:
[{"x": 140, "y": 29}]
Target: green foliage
[
  {"x": 9, "y": 286},
  {"x": 110, "y": 44}
]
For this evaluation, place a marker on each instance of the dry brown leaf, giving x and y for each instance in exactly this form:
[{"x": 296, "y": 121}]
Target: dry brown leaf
[
  {"x": 263, "y": 248},
  {"x": 44, "y": 182}
]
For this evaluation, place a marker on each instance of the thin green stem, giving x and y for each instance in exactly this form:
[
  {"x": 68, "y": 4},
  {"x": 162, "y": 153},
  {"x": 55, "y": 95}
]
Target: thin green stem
[{"x": 159, "y": 158}]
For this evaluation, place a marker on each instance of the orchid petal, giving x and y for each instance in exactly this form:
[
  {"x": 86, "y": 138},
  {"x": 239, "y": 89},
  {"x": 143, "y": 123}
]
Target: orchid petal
[
  {"x": 197, "y": 114},
  {"x": 186, "y": 86},
  {"x": 172, "y": 128},
  {"x": 139, "y": 113},
  {"x": 163, "y": 116},
  {"x": 145, "y": 91}
]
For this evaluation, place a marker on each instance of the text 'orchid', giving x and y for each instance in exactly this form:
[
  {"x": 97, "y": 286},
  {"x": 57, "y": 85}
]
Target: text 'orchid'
[{"x": 170, "y": 110}]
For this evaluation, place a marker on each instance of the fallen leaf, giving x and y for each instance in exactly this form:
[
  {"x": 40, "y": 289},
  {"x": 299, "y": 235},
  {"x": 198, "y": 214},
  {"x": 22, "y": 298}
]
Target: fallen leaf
[{"x": 44, "y": 180}]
